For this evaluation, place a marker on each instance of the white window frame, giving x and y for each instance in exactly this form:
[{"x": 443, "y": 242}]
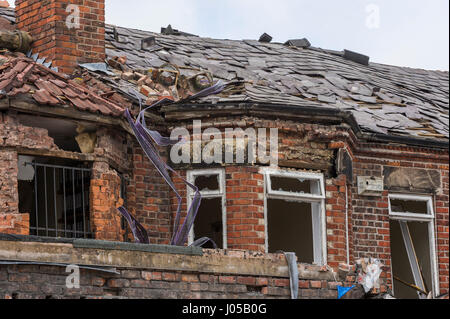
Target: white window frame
[
  {"x": 426, "y": 218},
  {"x": 318, "y": 207},
  {"x": 210, "y": 194}
]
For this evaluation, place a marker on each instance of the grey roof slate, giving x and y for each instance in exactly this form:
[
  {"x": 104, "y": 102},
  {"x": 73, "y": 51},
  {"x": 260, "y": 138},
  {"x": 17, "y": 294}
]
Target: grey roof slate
[{"x": 407, "y": 101}]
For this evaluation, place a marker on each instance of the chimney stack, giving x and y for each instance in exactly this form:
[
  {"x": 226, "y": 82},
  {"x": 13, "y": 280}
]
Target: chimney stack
[{"x": 64, "y": 32}]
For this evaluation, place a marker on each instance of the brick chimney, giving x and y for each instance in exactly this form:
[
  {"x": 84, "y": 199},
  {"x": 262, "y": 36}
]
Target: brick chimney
[{"x": 65, "y": 32}]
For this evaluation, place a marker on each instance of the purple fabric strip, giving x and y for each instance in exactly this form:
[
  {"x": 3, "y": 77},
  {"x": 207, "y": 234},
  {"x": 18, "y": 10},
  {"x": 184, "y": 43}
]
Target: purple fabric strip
[
  {"x": 145, "y": 137},
  {"x": 139, "y": 232}
]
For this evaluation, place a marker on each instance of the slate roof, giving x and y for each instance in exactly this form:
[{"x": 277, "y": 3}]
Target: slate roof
[
  {"x": 23, "y": 76},
  {"x": 389, "y": 100},
  {"x": 384, "y": 99}
]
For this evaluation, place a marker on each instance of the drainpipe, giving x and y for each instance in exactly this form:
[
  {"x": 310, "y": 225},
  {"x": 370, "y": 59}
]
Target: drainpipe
[
  {"x": 16, "y": 41},
  {"x": 346, "y": 223}
]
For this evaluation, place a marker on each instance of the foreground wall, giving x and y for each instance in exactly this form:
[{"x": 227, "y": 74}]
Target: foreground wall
[{"x": 146, "y": 271}]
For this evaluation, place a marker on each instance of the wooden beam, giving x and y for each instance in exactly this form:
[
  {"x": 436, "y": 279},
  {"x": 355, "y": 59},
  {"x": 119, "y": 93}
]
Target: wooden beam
[{"x": 27, "y": 105}]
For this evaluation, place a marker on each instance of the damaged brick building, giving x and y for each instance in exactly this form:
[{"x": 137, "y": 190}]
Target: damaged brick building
[{"x": 362, "y": 163}]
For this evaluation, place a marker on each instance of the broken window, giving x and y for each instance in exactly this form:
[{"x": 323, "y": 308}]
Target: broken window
[
  {"x": 210, "y": 221},
  {"x": 56, "y": 195},
  {"x": 295, "y": 214},
  {"x": 412, "y": 246}
]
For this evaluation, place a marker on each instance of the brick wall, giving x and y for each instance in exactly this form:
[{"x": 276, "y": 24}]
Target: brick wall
[
  {"x": 12, "y": 135},
  {"x": 313, "y": 146},
  {"x": 16, "y": 224},
  {"x": 148, "y": 198},
  {"x": 53, "y": 39},
  {"x": 245, "y": 208},
  {"x": 442, "y": 217},
  {"x": 48, "y": 282},
  {"x": 104, "y": 200},
  {"x": 336, "y": 220},
  {"x": 251, "y": 276}
]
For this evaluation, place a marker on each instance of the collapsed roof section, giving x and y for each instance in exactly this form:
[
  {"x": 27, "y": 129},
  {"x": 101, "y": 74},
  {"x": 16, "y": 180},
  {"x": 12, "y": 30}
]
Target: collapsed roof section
[
  {"x": 22, "y": 76},
  {"x": 384, "y": 99},
  {"x": 391, "y": 101}
]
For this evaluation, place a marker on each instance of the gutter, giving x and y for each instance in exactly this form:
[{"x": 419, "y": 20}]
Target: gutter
[{"x": 337, "y": 115}]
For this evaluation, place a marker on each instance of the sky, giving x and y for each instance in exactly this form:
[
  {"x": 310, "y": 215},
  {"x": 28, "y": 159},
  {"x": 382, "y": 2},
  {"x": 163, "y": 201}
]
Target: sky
[{"x": 413, "y": 33}]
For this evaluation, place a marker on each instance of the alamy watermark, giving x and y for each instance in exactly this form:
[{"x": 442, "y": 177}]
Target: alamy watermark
[
  {"x": 73, "y": 279},
  {"x": 73, "y": 19},
  {"x": 373, "y": 16},
  {"x": 231, "y": 146}
]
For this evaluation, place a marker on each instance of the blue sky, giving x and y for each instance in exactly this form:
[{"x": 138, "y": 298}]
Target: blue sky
[{"x": 410, "y": 33}]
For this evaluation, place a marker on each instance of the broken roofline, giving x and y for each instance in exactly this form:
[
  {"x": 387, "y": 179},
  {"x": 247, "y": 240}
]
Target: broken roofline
[{"x": 319, "y": 113}]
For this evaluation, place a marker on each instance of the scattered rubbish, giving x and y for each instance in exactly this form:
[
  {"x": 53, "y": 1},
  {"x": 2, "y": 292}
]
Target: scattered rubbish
[
  {"x": 342, "y": 291},
  {"x": 293, "y": 274},
  {"x": 370, "y": 270}
]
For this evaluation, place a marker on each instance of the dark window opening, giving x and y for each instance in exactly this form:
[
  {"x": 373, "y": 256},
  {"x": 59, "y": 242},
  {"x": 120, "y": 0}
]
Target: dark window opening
[
  {"x": 207, "y": 183},
  {"x": 409, "y": 206},
  {"x": 56, "y": 195},
  {"x": 401, "y": 266},
  {"x": 290, "y": 228},
  {"x": 295, "y": 185},
  {"x": 209, "y": 222}
]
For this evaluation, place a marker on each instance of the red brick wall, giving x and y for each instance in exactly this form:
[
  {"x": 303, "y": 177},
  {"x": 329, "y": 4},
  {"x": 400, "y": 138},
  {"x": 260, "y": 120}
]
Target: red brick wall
[
  {"x": 104, "y": 200},
  {"x": 442, "y": 216},
  {"x": 245, "y": 208},
  {"x": 12, "y": 135},
  {"x": 337, "y": 219},
  {"x": 370, "y": 233},
  {"x": 39, "y": 282},
  {"x": 148, "y": 198},
  {"x": 46, "y": 21},
  {"x": 16, "y": 224}
]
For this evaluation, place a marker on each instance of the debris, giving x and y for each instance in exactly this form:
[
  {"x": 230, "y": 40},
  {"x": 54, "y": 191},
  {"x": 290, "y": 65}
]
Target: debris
[
  {"x": 170, "y": 31},
  {"x": 342, "y": 291},
  {"x": 299, "y": 43},
  {"x": 146, "y": 139},
  {"x": 16, "y": 41},
  {"x": 369, "y": 275},
  {"x": 97, "y": 67},
  {"x": 265, "y": 38},
  {"x": 356, "y": 57},
  {"x": 293, "y": 274},
  {"x": 87, "y": 142}
]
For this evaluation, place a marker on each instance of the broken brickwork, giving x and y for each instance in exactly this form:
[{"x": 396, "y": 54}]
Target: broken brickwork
[
  {"x": 105, "y": 198},
  {"x": 15, "y": 224},
  {"x": 369, "y": 232},
  {"x": 12, "y": 136},
  {"x": 342, "y": 120},
  {"x": 47, "y": 282},
  {"x": 211, "y": 274}
]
